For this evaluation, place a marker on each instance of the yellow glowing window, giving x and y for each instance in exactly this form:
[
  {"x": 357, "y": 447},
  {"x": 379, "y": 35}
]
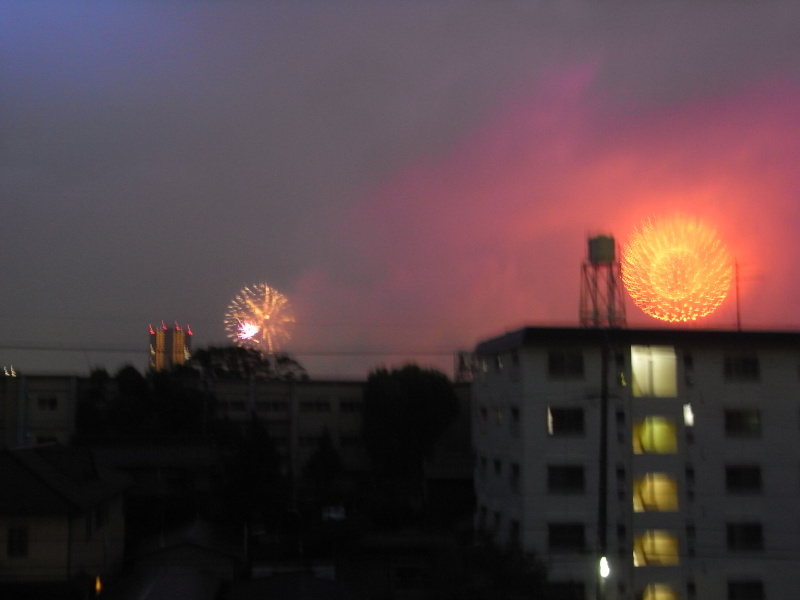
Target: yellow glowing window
[
  {"x": 655, "y": 547},
  {"x": 654, "y": 372},
  {"x": 655, "y": 492},
  {"x": 655, "y": 435},
  {"x": 659, "y": 591}
]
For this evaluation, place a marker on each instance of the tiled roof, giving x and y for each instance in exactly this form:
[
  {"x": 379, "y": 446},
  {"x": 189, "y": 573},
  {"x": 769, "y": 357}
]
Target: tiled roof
[{"x": 53, "y": 479}]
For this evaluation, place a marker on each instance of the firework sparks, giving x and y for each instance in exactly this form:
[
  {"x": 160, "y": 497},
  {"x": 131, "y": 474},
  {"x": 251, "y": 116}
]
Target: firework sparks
[
  {"x": 259, "y": 317},
  {"x": 676, "y": 269}
]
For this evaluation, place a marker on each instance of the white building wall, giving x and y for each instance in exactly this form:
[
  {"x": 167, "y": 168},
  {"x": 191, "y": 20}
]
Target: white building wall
[{"x": 703, "y": 450}]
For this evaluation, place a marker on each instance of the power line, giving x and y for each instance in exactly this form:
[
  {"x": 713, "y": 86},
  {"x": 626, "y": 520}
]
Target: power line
[{"x": 139, "y": 349}]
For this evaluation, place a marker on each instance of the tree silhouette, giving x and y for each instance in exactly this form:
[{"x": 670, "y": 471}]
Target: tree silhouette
[
  {"x": 234, "y": 362},
  {"x": 406, "y": 411},
  {"x": 323, "y": 468}
]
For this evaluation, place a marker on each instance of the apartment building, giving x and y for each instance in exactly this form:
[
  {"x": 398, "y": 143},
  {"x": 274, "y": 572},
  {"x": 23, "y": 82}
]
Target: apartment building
[{"x": 667, "y": 459}]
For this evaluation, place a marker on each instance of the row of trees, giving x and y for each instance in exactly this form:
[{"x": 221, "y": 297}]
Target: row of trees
[{"x": 406, "y": 410}]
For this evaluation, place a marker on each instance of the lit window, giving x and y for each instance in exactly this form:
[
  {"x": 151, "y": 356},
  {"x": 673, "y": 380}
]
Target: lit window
[
  {"x": 655, "y": 547},
  {"x": 655, "y": 435},
  {"x": 654, "y": 372},
  {"x": 659, "y": 591},
  {"x": 688, "y": 415},
  {"x": 565, "y": 421},
  {"x": 655, "y": 492}
]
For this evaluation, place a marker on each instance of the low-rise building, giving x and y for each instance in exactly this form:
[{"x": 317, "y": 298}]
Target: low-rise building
[{"x": 61, "y": 516}]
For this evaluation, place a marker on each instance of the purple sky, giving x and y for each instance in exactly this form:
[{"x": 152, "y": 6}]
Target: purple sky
[{"x": 413, "y": 176}]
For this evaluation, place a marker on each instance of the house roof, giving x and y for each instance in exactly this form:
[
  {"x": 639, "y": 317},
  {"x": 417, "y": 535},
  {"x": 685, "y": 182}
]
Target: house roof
[
  {"x": 53, "y": 479},
  {"x": 537, "y": 336}
]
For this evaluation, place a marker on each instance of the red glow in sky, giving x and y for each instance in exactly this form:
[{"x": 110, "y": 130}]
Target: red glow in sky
[{"x": 414, "y": 176}]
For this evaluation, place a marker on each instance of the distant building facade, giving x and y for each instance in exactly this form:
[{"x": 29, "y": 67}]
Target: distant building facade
[
  {"x": 674, "y": 454},
  {"x": 298, "y": 413},
  {"x": 169, "y": 346},
  {"x": 37, "y": 409}
]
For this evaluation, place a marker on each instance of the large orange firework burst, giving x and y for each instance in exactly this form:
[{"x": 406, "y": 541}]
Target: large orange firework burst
[
  {"x": 259, "y": 317},
  {"x": 676, "y": 269}
]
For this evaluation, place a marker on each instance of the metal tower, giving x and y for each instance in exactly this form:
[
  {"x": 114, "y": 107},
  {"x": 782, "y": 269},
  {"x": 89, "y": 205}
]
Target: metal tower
[{"x": 602, "y": 303}]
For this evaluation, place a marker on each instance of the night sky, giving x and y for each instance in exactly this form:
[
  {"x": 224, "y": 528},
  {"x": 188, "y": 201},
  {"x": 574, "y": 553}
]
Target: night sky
[{"x": 414, "y": 176}]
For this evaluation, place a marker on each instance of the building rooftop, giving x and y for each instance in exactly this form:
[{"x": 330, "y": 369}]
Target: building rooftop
[
  {"x": 53, "y": 479},
  {"x": 528, "y": 336}
]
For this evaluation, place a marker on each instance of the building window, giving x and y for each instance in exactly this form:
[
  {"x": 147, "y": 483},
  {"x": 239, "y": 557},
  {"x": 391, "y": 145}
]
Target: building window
[
  {"x": 744, "y": 536},
  {"x": 514, "y": 534},
  {"x": 315, "y": 406},
  {"x": 655, "y": 547},
  {"x": 308, "y": 441},
  {"x": 566, "y": 590},
  {"x": 743, "y": 423},
  {"x": 498, "y": 414},
  {"x": 565, "y": 421},
  {"x": 47, "y": 403},
  {"x": 659, "y": 591},
  {"x": 688, "y": 415},
  {"x": 350, "y": 406},
  {"x": 655, "y": 492},
  {"x": 746, "y": 589},
  {"x": 351, "y": 442},
  {"x": 565, "y": 365},
  {"x": 100, "y": 516},
  {"x": 566, "y": 537},
  {"x": 741, "y": 367},
  {"x": 513, "y": 477},
  {"x": 743, "y": 479},
  {"x": 565, "y": 479},
  {"x": 654, "y": 372},
  {"x": 17, "y": 541},
  {"x": 655, "y": 435},
  {"x": 515, "y": 420}
]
